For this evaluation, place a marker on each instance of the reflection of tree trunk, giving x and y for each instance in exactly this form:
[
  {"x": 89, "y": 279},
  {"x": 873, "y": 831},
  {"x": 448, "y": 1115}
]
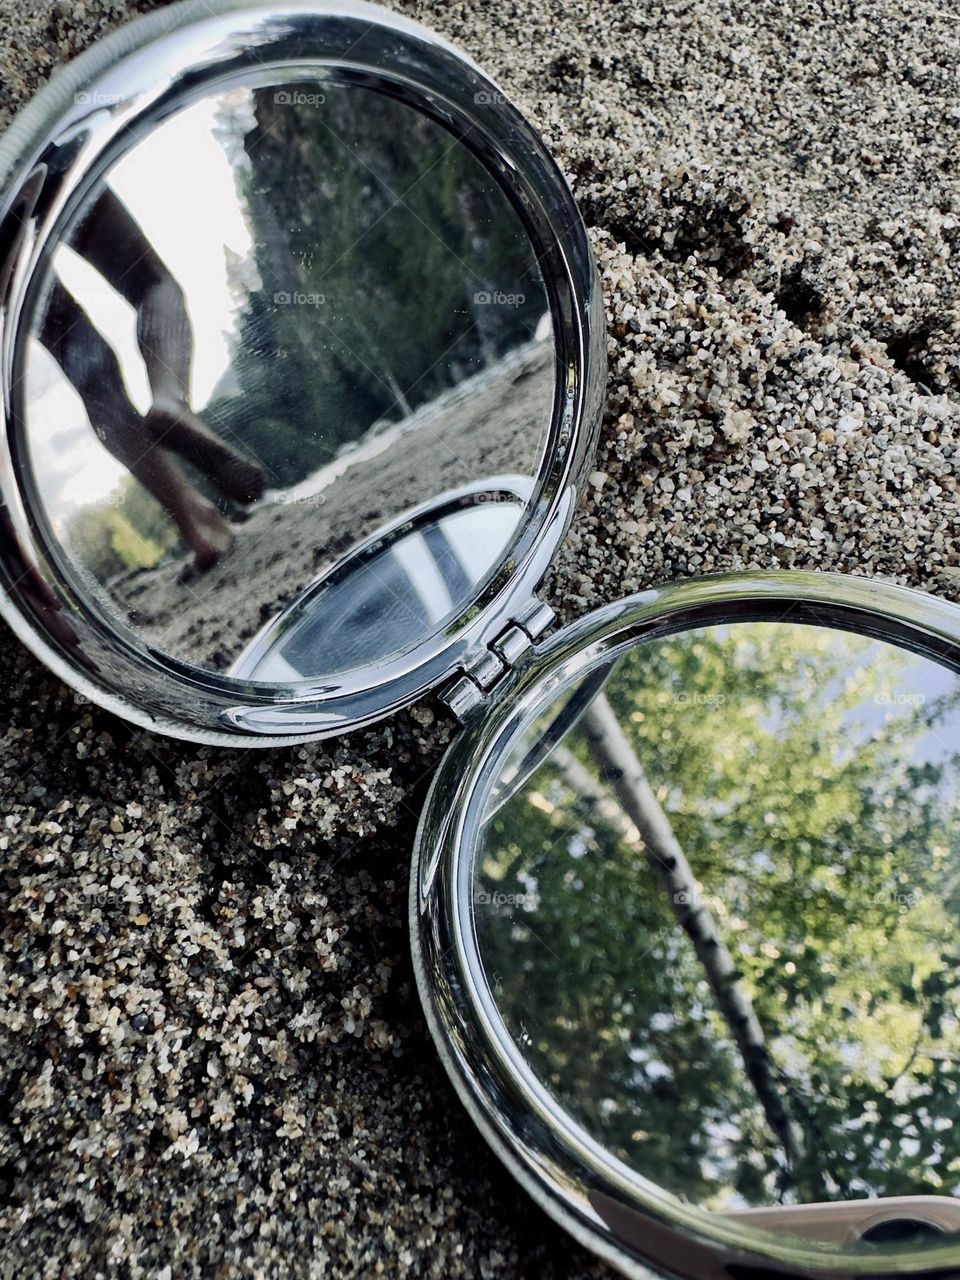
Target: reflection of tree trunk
[{"x": 639, "y": 820}]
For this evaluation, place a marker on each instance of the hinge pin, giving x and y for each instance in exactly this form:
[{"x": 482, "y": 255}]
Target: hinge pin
[{"x": 482, "y": 673}]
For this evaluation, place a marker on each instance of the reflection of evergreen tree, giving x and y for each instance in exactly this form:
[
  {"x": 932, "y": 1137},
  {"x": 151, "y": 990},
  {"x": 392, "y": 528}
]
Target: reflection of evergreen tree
[
  {"x": 376, "y": 209},
  {"x": 828, "y": 852}
]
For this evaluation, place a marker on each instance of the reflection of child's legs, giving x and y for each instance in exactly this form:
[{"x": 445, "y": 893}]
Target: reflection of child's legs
[
  {"x": 91, "y": 366},
  {"x": 197, "y": 518},
  {"x": 112, "y": 241}
]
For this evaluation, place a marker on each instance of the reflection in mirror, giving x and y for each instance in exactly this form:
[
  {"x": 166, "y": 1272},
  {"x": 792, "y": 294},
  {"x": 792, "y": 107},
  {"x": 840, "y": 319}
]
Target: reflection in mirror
[
  {"x": 389, "y": 594},
  {"x": 720, "y": 924},
  {"x": 288, "y": 315}
]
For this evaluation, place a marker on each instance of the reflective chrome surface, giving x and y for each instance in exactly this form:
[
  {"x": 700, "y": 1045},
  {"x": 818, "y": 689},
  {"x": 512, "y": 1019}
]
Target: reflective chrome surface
[
  {"x": 274, "y": 277},
  {"x": 686, "y": 924},
  {"x": 392, "y": 589},
  {"x": 332, "y": 314}
]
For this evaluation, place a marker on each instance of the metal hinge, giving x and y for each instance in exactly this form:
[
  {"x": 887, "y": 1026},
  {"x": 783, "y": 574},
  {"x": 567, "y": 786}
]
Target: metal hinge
[{"x": 482, "y": 673}]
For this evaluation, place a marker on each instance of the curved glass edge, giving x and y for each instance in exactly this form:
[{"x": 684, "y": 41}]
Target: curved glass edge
[
  {"x": 601, "y": 1201},
  {"x": 518, "y": 488},
  {"x": 48, "y": 155}
]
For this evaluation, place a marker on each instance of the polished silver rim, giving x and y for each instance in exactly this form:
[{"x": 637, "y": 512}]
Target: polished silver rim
[
  {"x": 48, "y": 160},
  {"x": 517, "y": 487},
  {"x": 557, "y": 1162}
]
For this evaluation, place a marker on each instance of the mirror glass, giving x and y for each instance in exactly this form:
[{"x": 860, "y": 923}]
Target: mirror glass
[
  {"x": 719, "y": 922},
  {"x": 391, "y": 592},
  {"x": 287, "y": 315}
]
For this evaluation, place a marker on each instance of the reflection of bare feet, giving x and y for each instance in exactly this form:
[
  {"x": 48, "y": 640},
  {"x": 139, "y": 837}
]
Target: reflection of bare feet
[
  {"x": 209, "y": 535},
  {"x": 177, "y": 428}
]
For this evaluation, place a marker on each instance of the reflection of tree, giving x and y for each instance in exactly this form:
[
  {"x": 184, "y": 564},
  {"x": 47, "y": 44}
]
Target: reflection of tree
[
  {"x": 822, "y": 846},
  {"x": 128, "y": 530},
  {"x": 639, "y": 819},
  {"x": 371, "y": 207}
]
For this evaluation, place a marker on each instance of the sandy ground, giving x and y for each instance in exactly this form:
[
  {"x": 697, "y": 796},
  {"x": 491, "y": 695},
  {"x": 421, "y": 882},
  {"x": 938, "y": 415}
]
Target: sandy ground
[{"x": 214, "y": 1059}]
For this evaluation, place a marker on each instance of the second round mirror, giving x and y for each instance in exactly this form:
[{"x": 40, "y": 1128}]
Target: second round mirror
[
  {"x": 687, "y": 927},
  {"x": 719, "y": 920}
]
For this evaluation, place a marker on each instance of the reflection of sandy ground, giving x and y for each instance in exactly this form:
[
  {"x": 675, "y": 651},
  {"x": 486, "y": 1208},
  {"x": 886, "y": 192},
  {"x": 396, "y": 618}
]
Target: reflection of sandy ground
[{"x": 490, "y": 425}]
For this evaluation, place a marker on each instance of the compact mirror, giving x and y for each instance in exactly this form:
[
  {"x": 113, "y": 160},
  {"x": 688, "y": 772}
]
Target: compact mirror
[
  {"x": 392, "y": 589},
  {"x": 704, "y": 903},
  {"x": 333, "y": 315},
  {"x": 298, "y": 316},
  {"x": 301, "y": 364}
]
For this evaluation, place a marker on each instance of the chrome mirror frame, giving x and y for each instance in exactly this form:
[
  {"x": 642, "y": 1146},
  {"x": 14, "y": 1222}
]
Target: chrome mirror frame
[
  {"x": 49, "y": 158},
  {"x": 619, "y": 1215},
  {"x": 496, "y": 488}
]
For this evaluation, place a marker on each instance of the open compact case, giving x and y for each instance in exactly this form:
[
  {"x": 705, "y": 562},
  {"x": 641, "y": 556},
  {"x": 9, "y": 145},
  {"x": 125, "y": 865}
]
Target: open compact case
[{"x": 303, "y": 358}]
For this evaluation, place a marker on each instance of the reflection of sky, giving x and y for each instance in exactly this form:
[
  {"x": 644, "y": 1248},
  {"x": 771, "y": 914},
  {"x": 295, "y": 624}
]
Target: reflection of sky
[
  {"x": 181, "y": 189},
  {"x": 910, "y": 685}
]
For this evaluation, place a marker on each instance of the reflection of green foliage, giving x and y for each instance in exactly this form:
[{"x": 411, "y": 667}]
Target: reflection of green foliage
[
  {"x": 128, "y": 531},
  {"x": 818, "y": 815},
  {"x": 375, "y": 209}
]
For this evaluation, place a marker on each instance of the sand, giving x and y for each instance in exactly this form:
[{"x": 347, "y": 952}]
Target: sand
[{"x": 214, "y": 1059}]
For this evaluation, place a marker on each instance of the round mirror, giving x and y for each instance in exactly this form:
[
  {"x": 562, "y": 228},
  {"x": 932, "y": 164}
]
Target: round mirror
[
  {"x": 332, "y": 315},
  {"x": 294, "y": 300},
  {"x": 708, "y": 900}
]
